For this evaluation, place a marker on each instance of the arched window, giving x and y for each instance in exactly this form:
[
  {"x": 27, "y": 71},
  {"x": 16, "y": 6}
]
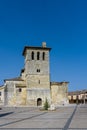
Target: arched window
[
  {"x": 38, "y": 55},
  {"x": 32, "y": 55},
  {"x": 43, "y": 55}
]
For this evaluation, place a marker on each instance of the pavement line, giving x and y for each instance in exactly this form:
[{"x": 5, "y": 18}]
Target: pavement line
[
  {"x": 77, "y": 129},
  {"x": 66, "y": 127},
  {"x": 31, "y": 129},
  {"x": 22, "y": 119}
]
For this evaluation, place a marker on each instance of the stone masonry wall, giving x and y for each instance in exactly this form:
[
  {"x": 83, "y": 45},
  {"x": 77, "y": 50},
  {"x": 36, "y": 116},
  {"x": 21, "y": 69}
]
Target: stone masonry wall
[
  {"x": 38, "y": 83},
  {"x": 59, "y": 93},
  {"x": 12, "y": 96}
]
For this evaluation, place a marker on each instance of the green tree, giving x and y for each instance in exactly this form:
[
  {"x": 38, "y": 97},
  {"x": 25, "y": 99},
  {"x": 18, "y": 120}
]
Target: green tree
[{"x": 46, "y": 105}]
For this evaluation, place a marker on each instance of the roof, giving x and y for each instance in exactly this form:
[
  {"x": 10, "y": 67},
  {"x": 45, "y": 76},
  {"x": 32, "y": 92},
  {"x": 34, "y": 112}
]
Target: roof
[
  {"x": 77, "y": 92},
  {"x": 14, "y": 79},
  {"x": 84, "y": 91},
  {"x": 58, "y": 83},
  {"x": 74, "y": 93},
  {"x": 1, "y": 87},
  {"x": 36, "y": 48}
]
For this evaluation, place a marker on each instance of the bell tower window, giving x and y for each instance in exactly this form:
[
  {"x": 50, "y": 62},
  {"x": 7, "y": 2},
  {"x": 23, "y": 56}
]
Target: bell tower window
[
  {"x": 38, "y": 55},
  {"x": 43, "y": 55},
  {"x": 32, "y": 55}
]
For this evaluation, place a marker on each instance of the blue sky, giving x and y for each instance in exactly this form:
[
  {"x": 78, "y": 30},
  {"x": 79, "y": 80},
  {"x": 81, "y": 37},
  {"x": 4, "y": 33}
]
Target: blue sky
[{"x": 61, "y": 23}]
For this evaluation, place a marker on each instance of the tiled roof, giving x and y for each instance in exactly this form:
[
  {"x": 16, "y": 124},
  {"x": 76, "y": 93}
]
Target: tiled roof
[
  {"x": 74, "y": 93},
  {"x": 77, "y": 92},
  {"x": 14, "y": 79},
  {"x": 1, "y": 87},
  {"x": 58, "y": 83}
]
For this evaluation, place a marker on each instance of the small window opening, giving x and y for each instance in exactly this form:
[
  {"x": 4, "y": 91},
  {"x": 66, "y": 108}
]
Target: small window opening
[
  {"x": 39, "y": 81},
  {"x": 38, "y": 55},
  {"x": 43, "y": 56},
  {"x": 20, "y": 90},
  {"x": 0, "y": 93},
  {"x": 32, "y": 55},
  {"x": 38, "y": 70}
]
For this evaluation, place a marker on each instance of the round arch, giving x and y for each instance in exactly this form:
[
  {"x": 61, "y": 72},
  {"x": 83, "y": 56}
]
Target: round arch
[{"x": 39, "y": 102}]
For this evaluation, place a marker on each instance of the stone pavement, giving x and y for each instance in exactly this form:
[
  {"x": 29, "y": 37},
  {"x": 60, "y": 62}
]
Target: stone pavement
[{"x": 27, "y": 118}]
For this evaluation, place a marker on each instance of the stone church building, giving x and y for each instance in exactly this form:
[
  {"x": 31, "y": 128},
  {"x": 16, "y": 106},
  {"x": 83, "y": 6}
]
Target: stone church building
[{"x": 33, "y": 86}]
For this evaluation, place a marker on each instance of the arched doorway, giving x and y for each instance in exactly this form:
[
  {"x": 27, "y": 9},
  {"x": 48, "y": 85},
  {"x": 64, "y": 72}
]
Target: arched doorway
[{"x": 39, "y": 102}]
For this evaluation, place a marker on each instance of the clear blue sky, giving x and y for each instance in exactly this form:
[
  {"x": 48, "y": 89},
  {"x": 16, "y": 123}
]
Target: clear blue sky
[{"x": 61, "y": 23}]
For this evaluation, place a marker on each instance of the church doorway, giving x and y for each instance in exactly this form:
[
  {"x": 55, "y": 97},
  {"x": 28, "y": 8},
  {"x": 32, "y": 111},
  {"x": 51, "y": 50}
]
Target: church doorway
[{"x": 39, "y": 102}]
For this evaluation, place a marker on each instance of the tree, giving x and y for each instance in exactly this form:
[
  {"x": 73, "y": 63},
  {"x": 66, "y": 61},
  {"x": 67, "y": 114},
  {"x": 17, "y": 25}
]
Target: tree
[{"x": 46, "y": 105}]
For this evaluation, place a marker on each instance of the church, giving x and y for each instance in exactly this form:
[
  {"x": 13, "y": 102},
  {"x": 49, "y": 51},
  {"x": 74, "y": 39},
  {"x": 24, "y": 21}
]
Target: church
[{"x": 33, "y": 86}]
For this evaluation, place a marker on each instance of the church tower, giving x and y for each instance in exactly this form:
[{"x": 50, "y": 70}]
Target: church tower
[{"x": 37, "y": 74}]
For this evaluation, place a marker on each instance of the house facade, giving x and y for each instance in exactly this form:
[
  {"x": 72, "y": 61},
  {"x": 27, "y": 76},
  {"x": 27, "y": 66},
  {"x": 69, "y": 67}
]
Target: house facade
[{"x": 78, "y": 97}]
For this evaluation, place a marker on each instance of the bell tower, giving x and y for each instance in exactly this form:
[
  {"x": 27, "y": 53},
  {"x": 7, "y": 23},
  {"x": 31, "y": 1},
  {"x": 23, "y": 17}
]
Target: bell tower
[{"x": 37, "y": 74}]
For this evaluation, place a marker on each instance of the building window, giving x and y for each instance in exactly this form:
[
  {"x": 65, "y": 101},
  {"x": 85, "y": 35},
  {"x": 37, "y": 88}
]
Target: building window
[
  {"x": 32, "y": 55},
  {"x": 38, "y": 55},
  {"x": 43, "y": 55},
  {"x": 39, "y": 81},
  {"x": 0, "y": 93},
  {"x": 20, "y": 90},
  {"x": 38, "y": 70}
]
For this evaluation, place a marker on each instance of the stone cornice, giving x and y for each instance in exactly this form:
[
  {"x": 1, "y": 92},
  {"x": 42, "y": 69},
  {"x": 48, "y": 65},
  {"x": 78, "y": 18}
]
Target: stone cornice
[
  {"x": 58, "y": 83},
  {"x": 35, "y": 48}
]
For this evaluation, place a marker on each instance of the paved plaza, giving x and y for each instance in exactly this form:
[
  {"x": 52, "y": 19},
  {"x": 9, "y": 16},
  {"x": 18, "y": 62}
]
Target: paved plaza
[{"x": 27, "y": 118}]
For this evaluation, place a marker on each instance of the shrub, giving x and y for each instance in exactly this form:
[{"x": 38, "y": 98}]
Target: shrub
[{"x": 46, "y": 105}]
